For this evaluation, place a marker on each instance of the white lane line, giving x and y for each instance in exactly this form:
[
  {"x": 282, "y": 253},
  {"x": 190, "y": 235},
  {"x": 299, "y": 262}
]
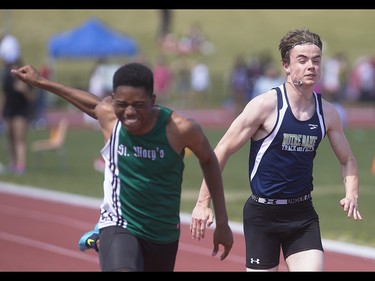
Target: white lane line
[
  {"x": 47, "y": 247},
  {"x": 44, "y": 217},
  {"x": 91, "y": 202}
]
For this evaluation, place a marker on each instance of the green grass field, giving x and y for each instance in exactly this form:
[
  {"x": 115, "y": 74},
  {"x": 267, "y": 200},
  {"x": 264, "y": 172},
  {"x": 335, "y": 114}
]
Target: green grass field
[{"x": 77, "y": 175}]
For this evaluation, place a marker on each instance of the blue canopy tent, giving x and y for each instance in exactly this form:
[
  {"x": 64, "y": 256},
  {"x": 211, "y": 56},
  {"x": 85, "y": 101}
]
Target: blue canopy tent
[{"x": 91, "y": 40}]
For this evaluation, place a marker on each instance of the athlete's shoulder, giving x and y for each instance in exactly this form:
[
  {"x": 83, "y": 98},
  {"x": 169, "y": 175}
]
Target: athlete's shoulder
[
  {"x": 331, "y": 114},
  {"x": 264, "y": 102}
]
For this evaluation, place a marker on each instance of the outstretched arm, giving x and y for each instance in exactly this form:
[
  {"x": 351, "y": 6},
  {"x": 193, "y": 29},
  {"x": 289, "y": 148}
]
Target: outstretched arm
[
  {"x": 349, "y": 169},
  {"x": 244, "y": 127},
  {"x": 194, "y": 138},
  {"x": 83, "y": 100}
]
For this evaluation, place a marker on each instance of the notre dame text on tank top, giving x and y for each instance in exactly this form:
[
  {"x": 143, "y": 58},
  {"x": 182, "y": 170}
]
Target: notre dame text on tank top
[
  {"x": 142, "y": 183},
  {"x": 281, "y": 164}
]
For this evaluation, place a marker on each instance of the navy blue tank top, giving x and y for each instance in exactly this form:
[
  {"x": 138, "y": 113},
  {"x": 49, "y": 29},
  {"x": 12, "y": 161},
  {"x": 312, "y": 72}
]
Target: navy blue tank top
[{"x": 281, "y": 164}]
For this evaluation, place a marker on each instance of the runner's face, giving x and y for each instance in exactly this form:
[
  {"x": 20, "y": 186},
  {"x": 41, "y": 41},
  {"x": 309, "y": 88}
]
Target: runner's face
[
  {"x": 133, "y": 107},
  {"x": 305, "y": 63}
]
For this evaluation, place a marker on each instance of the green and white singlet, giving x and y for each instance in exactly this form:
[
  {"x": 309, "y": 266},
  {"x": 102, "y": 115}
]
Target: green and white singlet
[{"x": 142, "y": 183}]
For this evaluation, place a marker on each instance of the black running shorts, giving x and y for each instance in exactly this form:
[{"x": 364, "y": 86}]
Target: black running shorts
[
  {"x": 293, "y": 227},
  {"x": 120, "y": 250}
]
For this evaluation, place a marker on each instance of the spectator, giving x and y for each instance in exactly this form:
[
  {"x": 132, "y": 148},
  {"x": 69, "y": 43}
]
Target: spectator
[
  {"x": 334, "y": 80},
  {"x": 9, "y": 48},
  {"x": 17, "y": 103},
  {"x": 270, "y": 78},
  {"x": 100, "y": 84},
  {"x": 361, "y": 85},
  {"x": 182, "y": 70},
  {"x": 165, "y": 23},
  {"x": 162, "y": 79},
  {"x": 239, "y": 84},
  {"x": 200, "y": 81},
  {"x": 38, "y": 113},
  {"x": 195, "y": 42}
]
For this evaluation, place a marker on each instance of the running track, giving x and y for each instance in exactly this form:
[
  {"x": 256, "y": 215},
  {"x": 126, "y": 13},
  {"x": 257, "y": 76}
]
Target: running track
[{"x": 39, "y": 231}]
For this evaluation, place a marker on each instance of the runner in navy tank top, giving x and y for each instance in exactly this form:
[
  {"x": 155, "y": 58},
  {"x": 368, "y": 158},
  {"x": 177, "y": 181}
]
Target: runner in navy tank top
[
  {"x": 281, "y": 164},
  {"x": 285, "y": 126}
]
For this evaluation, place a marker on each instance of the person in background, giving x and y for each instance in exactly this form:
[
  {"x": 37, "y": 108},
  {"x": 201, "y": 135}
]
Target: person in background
[
  {"x": 17, "y": 103},
  {"x": 200, "y": 82},
  {"x": 285, "y": 126},
  {"x": 10, "y": 49},
  {"x": 269, "y": 79},
  {"x": 100, "y": 84},
  {"x": 165, "y": 23},
  {"x": 239, "y": 84},
  {"x": 39, "y": 119},
  {"x": 163, "y": 77},
  {"x": 139, "y": 223},
  {"x": 335, "y": 76}
]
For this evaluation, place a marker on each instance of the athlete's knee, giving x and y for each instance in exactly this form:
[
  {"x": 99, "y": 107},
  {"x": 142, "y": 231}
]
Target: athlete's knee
[{"x": 273, "y": 269}]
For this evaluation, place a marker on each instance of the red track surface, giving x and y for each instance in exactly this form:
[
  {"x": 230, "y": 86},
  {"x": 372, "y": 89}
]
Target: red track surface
[{"x": 39, "y": 232}]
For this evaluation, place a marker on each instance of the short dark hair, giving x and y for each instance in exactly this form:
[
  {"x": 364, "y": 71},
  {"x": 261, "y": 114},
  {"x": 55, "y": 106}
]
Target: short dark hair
[
  {"x": 296, "y": 37},
  {"x": 135, "y": 75}
]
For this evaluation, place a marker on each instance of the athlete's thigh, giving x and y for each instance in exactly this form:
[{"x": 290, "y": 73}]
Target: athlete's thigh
[
  {"x": 303, "y": 249},
  {"x": 119, "y": 250},
  {"x": 262, "y": 244},
  {"x": 305, "y": 237},
  {"x": 310, "y": 260},
  {"x": 159, "y": 257}
]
